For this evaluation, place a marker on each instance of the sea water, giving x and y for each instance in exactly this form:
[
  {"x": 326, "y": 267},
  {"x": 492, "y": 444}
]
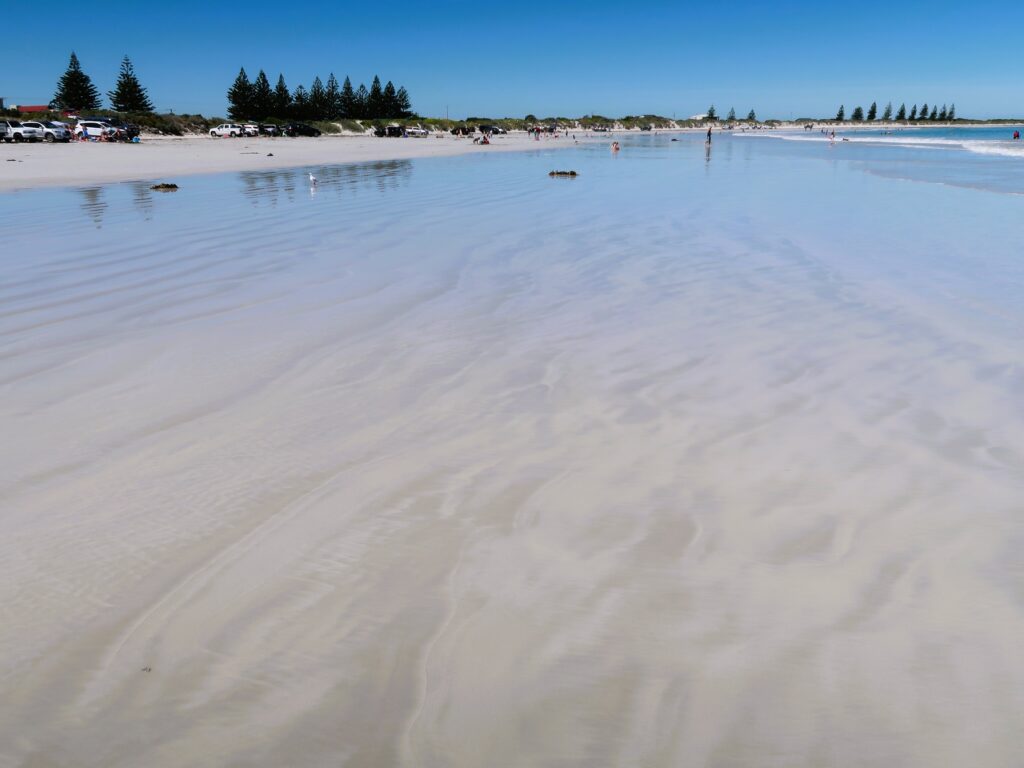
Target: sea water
[{"x": 711, "y": 455}]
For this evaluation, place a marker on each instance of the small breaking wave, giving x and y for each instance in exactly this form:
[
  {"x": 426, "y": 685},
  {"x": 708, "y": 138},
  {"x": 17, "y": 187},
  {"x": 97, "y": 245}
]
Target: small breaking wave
[{"x": 980, "y": 147}]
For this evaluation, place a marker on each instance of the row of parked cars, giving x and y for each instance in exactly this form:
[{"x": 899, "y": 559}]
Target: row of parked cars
[
  {"x": 105, "y": 128},
  {"x": 238, "y": 130}
]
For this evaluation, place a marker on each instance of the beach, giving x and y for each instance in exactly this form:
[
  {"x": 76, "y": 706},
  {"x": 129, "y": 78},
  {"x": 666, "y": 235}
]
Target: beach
[
  {"x": 162, "y": 157},
  {"x": 708, "y": 456}
]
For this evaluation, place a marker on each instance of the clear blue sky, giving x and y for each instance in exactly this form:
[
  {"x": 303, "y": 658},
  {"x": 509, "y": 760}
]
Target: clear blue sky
[{"x": 567, "y": 58}]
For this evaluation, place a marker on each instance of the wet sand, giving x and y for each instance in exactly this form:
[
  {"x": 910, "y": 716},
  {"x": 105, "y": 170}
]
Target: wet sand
[{"x": 642, "y": 468}]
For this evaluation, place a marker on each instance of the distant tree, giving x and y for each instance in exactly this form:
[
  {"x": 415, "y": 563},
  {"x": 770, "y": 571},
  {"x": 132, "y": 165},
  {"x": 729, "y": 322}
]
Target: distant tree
[
  {"x": 858, "y": 115},
  {"x": 300, "y": 103},
  {"x": 262, "y": 104},
  {"x": 128, "y": 94},
  {"x": 732, "y": 115},
  {"x": 75, "y": 89},
  {"x": 282, "y": 98},
  {"x": 944, "y": 114},
  {"x": 923, "y": 113},
  {"x": 712, "y": 115},
  {"x": 403, "y": 103},
  {"x": 752, "y": 116},
  {"x": 390, "y": 100},
  {"x": 913, "y": 113},
  {"x": 332, "y": 97},
  {"x": 375, "y": 100},
  {"x": 362, "y": 97},
  {"x": 530, "y": 119},
  {"x": 240, "y": 97},
  {"x": 887, "y": 113},
  {"x": 317, "y": 100},
  {"x": 347, "y": 100},
  {"x": 935, "y": 114},
  {"x": 902, "y": 113},
  {"x": 872, "y": 111},
  {"x": 952, "y": 113},
  {"x": 841, "y": 114}
]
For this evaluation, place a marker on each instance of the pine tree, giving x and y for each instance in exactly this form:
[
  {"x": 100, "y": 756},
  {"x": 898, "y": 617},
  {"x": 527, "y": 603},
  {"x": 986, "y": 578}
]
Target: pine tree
[
  {"x": 240, "y": 97},
  {"x": 333, "y": 98},
  {"x": 405, "y": 105},
  {"x": 317, "y": 100},
  {"x": 841, "y": 114},
  {"x": 732, "y": 115},
  {"x": 128, "y": 95},
  {"x": 944, "y": 114},
  {"x": 262, "y": 97},
  {"x": 913, "y": 113},
  {"x": 887, "y": 113},
  {"x": 712, "y": 115},
  {"x": 390, "y": 100},
  {"x": 752, "y": 116},
  {"x": 375, "y": 101},
  {"x": 935, "y": 114},
  {"x": 360, "y": 101},
  {"x": 75, "y": 90},
  {"x": 902, "y": 113},
  {"x": 300, "y": 103},
  {"x": 347, "y": 100},
  {"x": 872, "y": 111},
  {"x": 282, "y": 98},
  {"x": 952, "y": 113},
  {"x": 923, "y": 114},
  {"x": 858, "y": 115}
]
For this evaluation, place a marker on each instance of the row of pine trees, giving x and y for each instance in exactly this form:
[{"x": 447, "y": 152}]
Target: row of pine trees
[
  {"x": 915, "y": 115},
  {"x": 76, "y": 92},
  {"x": 256, "y": 100}
]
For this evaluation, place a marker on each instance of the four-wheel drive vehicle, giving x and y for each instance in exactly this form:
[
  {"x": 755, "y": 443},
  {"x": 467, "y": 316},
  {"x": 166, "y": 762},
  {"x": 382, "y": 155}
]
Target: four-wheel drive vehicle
[
  {"x": 300, "y": 129},
  {"x": 52, "y": 131},
  {"x": 94, "y": 129},
  {"x": 251, "y": 129},
  {"x": 228, "y": 129},
  {"x": 269, "y": 129},
  {"x": 124, "y": 130},
  {"x": 5, "y": 131},
  {"x": 20, "y": 131}
]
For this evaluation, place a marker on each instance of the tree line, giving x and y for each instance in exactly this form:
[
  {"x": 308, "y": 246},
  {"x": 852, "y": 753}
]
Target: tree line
[
  {"x": 76, "y": 92},
  {"x": 932, "y": 114},
  {"x": 256, "y": 100}
]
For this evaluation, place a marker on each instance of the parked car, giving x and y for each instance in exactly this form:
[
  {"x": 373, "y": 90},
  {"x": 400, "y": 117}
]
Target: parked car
[
  {"x": 20, "y": 131},
  {"x": 228, "y": 129},
  {"x": 95, "y": 129},
  {"x": 251, "y": 129},
  {"x": 125, "y": 131},
  {"x": 52, "y": 131},
  {"x": 5, "y": 131},
  {"x": 417, "y": 133},
  {"x": 269, "y": 129},
  {"x": 300, "y": 129}
]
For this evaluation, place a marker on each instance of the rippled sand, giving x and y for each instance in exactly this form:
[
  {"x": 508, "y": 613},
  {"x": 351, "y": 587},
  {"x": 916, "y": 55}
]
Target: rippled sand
[{"x": 451, "y": 464}]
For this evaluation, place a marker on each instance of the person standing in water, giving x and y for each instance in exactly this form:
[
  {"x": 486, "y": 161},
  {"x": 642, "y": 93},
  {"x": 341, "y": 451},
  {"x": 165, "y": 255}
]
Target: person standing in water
[{"x": 709, "y": 134}]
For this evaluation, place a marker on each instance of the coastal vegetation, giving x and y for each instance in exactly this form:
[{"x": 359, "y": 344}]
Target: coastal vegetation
[
  {"x": 256, "y": 100},
  {"x": 933, "y": 114}
]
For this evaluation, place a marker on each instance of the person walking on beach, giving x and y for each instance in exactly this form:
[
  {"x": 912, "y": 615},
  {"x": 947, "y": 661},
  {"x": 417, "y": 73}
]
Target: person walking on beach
[{"x": 709, "y": 134}]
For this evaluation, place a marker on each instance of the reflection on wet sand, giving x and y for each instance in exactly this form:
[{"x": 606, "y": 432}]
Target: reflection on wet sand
[{"x": 268, "y": 187}]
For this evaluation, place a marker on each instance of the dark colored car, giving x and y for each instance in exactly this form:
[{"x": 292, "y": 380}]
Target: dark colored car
[
  {"x": 299, "y": 129},
  {"x": 269, "y": 129},
  {"x": 125, "y": 131},
  {"x": 463, "y": 130},
  {"x": 389, "y": 131}
]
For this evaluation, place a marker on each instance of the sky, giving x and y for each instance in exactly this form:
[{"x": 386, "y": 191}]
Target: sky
[{"x": 783, "y": 59}]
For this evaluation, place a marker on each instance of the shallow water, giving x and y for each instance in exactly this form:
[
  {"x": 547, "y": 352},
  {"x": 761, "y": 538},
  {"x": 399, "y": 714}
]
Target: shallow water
[{"x": 700, "y": 458}]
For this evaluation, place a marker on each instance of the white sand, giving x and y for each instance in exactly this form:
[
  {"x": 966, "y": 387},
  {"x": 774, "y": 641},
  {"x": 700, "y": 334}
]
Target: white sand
[{"x": 160, "y": 158}]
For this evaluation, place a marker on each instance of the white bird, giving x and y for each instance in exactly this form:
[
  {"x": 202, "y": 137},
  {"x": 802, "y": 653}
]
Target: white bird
[{"x": 312, "y": 179}]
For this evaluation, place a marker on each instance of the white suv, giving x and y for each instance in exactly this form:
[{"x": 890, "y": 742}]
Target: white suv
[
  {"x": 228, "y": 129},
  {"x": 94, "y": 129},
  {"x": 20, "y": 131}
]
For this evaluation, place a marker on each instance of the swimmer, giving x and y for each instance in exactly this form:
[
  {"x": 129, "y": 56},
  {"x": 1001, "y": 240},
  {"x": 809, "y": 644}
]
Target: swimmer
[{"x": 615, "y": 146}]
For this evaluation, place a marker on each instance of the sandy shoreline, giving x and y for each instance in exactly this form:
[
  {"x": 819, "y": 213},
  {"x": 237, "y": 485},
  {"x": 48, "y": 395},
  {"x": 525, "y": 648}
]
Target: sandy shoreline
[{"x": 164, "y": 158}]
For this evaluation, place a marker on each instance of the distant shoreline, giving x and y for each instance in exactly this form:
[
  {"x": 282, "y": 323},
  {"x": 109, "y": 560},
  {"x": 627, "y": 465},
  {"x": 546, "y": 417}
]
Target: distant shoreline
[{"x": 160, "y": 158}]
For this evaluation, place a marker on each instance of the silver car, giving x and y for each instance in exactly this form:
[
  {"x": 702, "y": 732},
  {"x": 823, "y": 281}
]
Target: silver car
[
  {"x": 52, "y": 131},
  {"x": 20, "y": 131}
]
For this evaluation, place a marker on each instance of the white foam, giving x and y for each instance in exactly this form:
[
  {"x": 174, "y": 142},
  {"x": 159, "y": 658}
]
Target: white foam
[{"x": 977, "y": 146}]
